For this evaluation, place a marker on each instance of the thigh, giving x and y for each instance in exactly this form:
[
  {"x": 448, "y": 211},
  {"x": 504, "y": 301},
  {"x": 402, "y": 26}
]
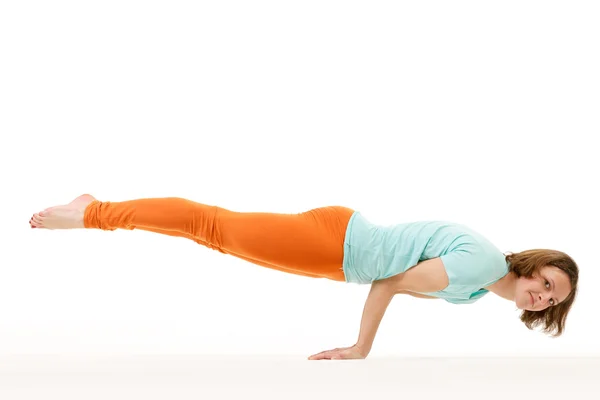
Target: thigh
[
  {"x": 311, "y": 242},
  {"x": 253, "y": 261}
]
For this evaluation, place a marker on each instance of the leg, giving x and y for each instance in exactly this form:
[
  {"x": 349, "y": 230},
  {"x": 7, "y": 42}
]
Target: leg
[
  {"x": 262, "y": 264},
  {"x": 308, "y": 243}
]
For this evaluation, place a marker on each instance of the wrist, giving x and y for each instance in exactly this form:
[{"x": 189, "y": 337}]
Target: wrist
[{"x": 363, "y": 348}]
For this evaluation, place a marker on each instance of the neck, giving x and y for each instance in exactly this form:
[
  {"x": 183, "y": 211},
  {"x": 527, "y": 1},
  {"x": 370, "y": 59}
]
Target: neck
[{"x": 505, "y": 286}]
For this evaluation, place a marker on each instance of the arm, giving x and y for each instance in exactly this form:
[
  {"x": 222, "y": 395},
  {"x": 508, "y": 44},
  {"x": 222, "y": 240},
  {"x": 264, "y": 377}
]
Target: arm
[
  {"x": 379, "y": 298},
  {"x": 426, "y": 276},
  {"x": 419, "y": 295}
]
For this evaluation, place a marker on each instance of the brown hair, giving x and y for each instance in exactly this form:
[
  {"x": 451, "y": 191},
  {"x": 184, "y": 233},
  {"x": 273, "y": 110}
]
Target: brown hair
[{"x": 528, "y": 262}]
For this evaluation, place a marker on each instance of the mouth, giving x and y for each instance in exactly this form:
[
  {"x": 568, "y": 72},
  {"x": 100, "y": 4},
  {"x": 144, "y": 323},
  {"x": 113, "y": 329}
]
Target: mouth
[{"x": 532, "y": 301}]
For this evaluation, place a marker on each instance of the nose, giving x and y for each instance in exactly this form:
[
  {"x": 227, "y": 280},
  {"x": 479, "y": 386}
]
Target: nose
[{"x": 543, "y": 298}]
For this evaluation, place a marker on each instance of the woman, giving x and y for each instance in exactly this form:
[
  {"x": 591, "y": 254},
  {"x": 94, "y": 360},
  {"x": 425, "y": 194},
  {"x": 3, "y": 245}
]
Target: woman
[{"x": 427, "y": 259}]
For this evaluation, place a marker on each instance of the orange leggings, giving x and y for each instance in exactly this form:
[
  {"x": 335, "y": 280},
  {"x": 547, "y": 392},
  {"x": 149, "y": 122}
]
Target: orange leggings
[{"x": 310, "y": 243}]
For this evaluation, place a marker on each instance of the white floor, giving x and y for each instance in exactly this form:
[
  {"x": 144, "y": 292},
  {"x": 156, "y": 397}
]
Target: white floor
[{"x": 271, "y": 377}]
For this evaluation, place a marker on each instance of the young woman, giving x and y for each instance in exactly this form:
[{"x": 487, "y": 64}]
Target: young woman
[{"x": 427, "y": 259}]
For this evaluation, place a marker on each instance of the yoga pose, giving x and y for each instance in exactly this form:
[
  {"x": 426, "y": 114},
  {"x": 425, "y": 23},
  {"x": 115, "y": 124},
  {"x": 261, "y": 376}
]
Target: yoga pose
[{"x": 426, "y": 259}]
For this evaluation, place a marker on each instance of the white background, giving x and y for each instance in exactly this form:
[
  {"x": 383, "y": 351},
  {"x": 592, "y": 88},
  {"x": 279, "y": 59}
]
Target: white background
[{"x": 484, "y": 113}]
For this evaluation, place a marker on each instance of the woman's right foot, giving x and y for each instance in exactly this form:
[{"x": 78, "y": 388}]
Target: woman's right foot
[{"x": 68, "y": 216}]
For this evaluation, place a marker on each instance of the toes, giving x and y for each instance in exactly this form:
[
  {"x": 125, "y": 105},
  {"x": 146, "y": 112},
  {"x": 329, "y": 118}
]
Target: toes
[
  {"x": 37, "y": 221},
  {"x": 37, "y": 225}
]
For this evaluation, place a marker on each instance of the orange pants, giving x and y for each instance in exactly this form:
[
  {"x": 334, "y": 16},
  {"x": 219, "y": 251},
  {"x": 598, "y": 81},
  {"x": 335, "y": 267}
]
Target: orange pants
[{"x": 310, "y": 243}]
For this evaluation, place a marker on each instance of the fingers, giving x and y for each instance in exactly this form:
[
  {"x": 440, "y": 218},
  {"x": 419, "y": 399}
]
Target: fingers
[
  {"x": 319, "y": 356},
  {"x": 341, "y": 353},
  {"x": 325, "y": 355}
]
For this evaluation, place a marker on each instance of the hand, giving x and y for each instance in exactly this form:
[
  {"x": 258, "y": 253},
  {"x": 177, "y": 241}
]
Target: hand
[{"x": 342, "y": 353}]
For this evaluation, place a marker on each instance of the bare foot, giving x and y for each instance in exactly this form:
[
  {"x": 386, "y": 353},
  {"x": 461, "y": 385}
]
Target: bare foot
[{"x": 68, "y": 216}]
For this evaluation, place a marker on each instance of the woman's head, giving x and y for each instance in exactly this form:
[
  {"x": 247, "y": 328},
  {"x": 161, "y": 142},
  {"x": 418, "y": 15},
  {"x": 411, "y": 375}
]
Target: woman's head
[{"x": 546, "y": 287}]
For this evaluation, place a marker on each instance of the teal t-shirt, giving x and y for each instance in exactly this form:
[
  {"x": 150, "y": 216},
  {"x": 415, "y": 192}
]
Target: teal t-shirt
[{"x": 373, "y": 252}]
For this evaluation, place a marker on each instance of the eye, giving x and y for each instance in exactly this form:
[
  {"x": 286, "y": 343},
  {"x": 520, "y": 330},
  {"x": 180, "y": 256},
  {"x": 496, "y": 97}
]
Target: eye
[{"x": 548, "y": 286}]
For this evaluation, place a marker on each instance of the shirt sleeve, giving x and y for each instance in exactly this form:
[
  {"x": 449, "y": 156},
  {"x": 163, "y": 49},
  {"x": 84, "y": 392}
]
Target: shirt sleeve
[{"x": 468, "y": 268}]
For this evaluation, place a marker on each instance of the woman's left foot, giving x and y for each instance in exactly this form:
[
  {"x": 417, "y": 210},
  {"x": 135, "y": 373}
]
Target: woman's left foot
[{"x": 68, "y": 216}]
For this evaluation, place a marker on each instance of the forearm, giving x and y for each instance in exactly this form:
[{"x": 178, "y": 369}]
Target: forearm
[{"x": 379, "y": 298}]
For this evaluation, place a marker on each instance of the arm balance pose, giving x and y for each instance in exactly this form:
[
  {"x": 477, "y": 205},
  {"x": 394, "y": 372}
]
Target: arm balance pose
[{"x": 426, "y": 259}]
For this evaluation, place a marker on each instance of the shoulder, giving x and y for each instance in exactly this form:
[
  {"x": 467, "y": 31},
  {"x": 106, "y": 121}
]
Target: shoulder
[
  {"x": 473, "y": 266},
  {"x": 455, "y": 258}
]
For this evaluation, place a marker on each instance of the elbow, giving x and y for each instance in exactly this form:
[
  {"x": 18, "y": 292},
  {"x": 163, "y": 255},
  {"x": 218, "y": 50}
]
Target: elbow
[
  {"x": 394, "y": 284},
  {"x": 388, "y": 285}
]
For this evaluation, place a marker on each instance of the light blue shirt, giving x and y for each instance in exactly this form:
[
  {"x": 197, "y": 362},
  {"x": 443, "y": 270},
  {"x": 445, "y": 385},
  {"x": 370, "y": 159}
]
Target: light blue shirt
[{"x": 373, "y": 252}]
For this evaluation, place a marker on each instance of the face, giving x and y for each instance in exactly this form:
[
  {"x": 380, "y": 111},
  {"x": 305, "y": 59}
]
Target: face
[{"x": 546, "y": 288}]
